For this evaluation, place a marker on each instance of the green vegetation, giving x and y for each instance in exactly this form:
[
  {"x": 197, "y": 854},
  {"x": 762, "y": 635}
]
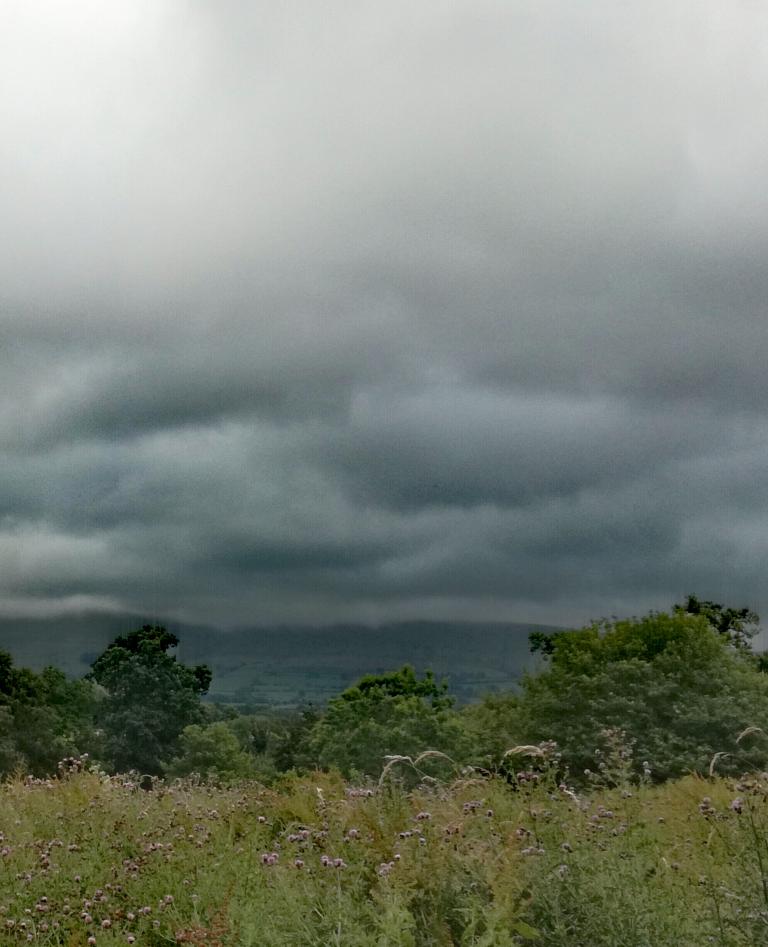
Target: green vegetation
[
  {"x": 90, "y": 859},
  {"x": 43, "y": 717},
  {"x": 678, "y": 688},
  {"x": 385, "y": 715},
  {"x": 149, "y": 698},
  {"x": 624, "y": 778}
]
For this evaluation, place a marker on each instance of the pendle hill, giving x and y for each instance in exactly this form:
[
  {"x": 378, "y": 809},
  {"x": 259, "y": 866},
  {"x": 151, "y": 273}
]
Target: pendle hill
[{"x": 286, "y": 666}]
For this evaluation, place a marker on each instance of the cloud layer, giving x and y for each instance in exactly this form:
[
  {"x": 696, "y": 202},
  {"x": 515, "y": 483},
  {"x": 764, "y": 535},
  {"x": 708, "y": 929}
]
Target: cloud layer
[{"x": 332, "y": 311}]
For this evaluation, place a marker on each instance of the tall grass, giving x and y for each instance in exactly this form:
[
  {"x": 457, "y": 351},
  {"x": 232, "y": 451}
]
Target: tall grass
[{"x": 484, "y": 860}]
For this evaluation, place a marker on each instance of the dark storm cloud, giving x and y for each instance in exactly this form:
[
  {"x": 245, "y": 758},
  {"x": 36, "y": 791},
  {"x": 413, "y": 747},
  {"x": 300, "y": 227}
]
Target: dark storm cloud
[{"x": 312, "y": 312}]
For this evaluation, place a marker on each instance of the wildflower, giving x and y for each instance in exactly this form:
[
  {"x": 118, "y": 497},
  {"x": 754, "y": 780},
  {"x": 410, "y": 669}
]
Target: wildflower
[
  {"x": 562, "y": 870},
  {"x": 423, "y": 816},
  {"x": 705, "y": 806},
  {"x": 298, "y": 863}
]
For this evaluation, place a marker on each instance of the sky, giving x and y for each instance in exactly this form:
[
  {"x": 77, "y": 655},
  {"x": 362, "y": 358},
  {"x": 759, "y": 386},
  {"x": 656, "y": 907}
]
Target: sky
[{"x": 363, "y": 311}]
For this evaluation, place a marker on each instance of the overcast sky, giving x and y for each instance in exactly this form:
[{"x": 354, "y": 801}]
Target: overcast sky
[{"x": 364, "y": 310}]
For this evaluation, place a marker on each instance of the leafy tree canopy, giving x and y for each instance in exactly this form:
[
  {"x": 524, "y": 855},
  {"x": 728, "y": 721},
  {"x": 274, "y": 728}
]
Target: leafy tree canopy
[
  {"x": 44, "y": 718},
  {"x": 213, "y": 752},
  {"x": 401, "y": 683},
  {"x": 737, "y": 625},
  {"x": 672, "y": 682},
  {"x": 383, "y": 715},
  {"x": 151, "y": 698}
]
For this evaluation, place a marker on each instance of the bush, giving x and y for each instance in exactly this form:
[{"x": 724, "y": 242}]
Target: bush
[
  {"x": 383, "y": 715},
  {"x": 213, "y": 752},
  {"x": 671, "y": 682}
]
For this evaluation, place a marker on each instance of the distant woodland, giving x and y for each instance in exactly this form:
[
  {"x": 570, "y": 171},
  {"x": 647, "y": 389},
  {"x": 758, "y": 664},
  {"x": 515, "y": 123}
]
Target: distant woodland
[{"x": 653, "y": 697}]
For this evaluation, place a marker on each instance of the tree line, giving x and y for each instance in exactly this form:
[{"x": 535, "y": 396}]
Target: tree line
[{"x": 654, "y": 697}]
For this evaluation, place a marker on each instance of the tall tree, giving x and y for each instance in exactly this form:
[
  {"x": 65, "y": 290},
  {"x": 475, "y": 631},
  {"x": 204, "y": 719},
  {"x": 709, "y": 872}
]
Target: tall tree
[
  {"x": 385, "y": 714},
  {"x": 673, "y": 683},
  {"x": 43, "y": 718},
  {"x": 150, "y": 698}
]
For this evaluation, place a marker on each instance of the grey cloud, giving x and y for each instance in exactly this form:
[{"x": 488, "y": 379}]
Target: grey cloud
[
  {"x": 316, "y": 312},
  {"x": 458, "y": 445}
]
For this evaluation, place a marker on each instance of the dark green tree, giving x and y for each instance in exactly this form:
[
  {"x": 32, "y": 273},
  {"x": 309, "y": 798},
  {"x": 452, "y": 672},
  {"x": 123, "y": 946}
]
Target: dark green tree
[
  {"x": 150, "y": 698},
  {"x": 673, "y": 683},
  {"x": 737, "y": 625},
  {"x": 213, "y": 752},
  {"x": 44, "y": 718},
  {"x": 382, "y": 715}
]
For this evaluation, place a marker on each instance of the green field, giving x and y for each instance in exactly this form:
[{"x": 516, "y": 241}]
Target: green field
[{"x": 88, "y": 859}]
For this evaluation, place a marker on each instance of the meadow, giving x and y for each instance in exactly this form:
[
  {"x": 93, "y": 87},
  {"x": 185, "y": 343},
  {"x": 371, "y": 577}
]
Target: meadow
[{"x": 477, "y": 859}]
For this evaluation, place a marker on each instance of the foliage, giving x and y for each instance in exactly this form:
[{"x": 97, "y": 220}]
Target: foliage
[
  {"x": 150, "y": 698},
  {"x": 475, "y": 863},
  {"x": 383, "y": 715},
  {"x": 287, "y": 738},
  {"x": 493, "y": 725},
  {"x": 737, "y": 625},
  {"x": 43, "y": 717},
  {"x": 670, "y": 682},
  {"x": 213, "y": 752}
]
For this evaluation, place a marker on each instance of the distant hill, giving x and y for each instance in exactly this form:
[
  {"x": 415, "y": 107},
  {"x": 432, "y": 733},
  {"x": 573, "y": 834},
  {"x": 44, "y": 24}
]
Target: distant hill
[{"x": 285, "y": 666}]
